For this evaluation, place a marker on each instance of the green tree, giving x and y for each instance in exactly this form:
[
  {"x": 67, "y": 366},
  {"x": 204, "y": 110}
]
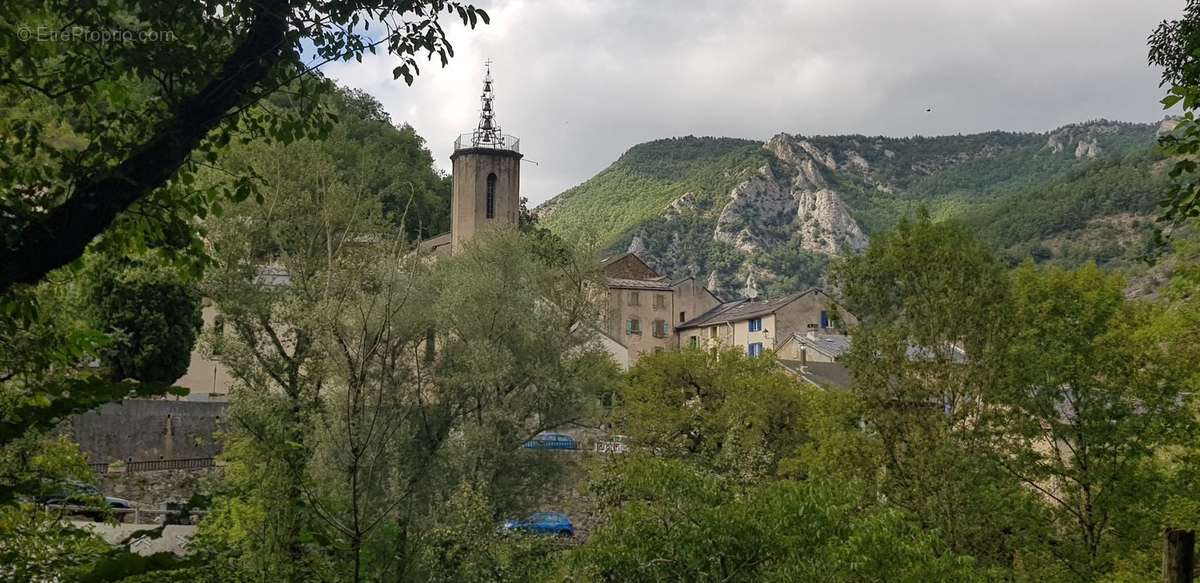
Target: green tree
[
  {"x": 151, "y": 314},
  {"x": 1094, "y": 396},
  {"x": 672, "y": 521},
  {"x": 1175, "y": 46},
  {"x": 372, "y": 380},
  {"x": 463, "y": 545},
  {"x": 147, "y": 108},
  {"x": 737, "y": 415},
  {"x": 933, "y": 306}
]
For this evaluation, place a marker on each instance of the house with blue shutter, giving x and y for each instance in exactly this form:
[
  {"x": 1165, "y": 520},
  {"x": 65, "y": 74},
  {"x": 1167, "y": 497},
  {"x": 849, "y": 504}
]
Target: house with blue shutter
[{"x": 757, "y": 326}]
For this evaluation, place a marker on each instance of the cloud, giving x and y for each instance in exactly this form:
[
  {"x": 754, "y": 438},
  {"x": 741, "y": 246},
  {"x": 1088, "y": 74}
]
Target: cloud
[{"x": 580, "y": 81}]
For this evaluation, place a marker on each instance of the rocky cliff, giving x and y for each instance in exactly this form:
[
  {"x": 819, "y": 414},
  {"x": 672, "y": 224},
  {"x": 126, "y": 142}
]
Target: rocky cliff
[{"x": 754, "y": 217}]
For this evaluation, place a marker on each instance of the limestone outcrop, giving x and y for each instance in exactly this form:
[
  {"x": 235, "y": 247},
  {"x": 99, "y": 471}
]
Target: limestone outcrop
[{"x": 793, "y": 202}]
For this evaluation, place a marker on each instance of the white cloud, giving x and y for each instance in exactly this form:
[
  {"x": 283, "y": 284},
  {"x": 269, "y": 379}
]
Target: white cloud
[{"x": 580, "y": 81}]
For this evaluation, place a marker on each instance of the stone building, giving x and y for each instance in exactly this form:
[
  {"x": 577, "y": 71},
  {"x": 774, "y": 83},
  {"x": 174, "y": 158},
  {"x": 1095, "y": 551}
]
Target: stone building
[
  {"x": 206, "y": 379},
  {"x": 644, "y": 307},
  {"x": 758, "y": 326},
  {"x": 645, "y": 312}
]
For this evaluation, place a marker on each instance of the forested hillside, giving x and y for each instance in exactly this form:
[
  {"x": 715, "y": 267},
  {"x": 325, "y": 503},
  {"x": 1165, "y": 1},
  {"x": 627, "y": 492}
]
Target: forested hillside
[
  {"x": 364, "y": 152},
  {"x": 755, "y": 217}
]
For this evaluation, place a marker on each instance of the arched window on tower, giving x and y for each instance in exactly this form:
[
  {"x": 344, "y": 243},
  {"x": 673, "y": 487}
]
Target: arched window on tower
[{"x": 491, "y": 196}]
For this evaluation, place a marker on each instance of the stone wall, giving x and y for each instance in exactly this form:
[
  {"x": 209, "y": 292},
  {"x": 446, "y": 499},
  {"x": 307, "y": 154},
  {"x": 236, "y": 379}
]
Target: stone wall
[
  {"x": 151, "y": 490},
  {"x": 149, "y": 429}
]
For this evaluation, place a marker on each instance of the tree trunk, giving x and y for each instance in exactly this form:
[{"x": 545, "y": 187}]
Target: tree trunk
[
  {"x": 63, "y": 234},
  {"x": 1179, "y": 555}
]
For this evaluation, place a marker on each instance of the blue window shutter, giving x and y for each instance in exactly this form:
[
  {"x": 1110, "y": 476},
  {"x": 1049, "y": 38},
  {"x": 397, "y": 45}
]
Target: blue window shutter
[{"x": 824, "y": 319}]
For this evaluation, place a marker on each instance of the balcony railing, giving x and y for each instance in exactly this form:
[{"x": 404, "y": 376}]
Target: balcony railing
[{"x": 503, "y": 142}]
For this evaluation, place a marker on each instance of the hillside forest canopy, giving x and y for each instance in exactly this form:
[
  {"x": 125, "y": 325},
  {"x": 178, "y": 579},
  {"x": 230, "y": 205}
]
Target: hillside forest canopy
[{"x": 1023, "y": 367}]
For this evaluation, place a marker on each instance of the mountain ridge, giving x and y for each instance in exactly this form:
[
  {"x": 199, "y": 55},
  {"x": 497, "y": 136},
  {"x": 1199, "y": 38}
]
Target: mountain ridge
[{"x": 767, "y": 216}]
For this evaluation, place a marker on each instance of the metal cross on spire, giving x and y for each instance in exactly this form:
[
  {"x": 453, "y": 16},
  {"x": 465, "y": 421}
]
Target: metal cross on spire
[{"x": 488, "y": 132}]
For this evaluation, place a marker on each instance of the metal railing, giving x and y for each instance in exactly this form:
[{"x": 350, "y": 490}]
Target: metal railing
[
  {"x": 505, "y": 142},
  {"x": 156, "y": 465}
]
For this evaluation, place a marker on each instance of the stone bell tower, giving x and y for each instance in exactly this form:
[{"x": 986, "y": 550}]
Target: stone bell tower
[{"x": 486, "y": 176}]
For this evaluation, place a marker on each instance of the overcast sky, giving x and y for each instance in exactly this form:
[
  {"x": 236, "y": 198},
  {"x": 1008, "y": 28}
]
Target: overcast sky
[{"x": 580, "y": 81}]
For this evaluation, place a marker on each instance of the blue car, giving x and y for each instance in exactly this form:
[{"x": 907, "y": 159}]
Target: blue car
[
  {"x": 548, "y": 440},
  {"x": 555, "y": 523}
]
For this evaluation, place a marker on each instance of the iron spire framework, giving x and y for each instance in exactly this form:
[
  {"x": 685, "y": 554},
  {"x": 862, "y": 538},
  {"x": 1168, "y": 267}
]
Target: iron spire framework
[{"x": 488, "y": 133}]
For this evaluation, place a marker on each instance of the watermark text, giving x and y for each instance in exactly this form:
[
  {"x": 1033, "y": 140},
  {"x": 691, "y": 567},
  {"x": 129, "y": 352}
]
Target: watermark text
[{"x": 81, "y": 34}]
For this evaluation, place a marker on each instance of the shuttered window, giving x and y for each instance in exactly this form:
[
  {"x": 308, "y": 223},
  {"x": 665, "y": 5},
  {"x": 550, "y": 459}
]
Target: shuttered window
[{"x": 633, "y": 326}]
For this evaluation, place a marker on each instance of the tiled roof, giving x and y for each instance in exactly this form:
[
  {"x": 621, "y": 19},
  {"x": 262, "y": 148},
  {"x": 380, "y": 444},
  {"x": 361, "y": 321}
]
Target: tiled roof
[
  {"x": 823, "y": 374},
  {"x": 660, "y": 284},
  {"x": 738, "y": 310},
  {"x": 712, "y": 316},
  {"x": 612, "y": 258},
  {"x": 435, "y": 242},
  {"x": 835, "y": 345}
]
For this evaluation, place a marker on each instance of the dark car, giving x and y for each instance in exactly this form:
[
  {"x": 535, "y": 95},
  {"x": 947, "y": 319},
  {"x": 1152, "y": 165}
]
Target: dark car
[
  {"x": 549, "y": 440},
  {"x": 83, "y": 499},
  {"x": 555, "y": 523}
]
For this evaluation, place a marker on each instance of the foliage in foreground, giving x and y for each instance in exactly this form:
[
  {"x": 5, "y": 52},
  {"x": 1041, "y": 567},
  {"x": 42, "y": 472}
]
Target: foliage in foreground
[
  {"x": 386, "y": 393},
  {"x": 674, "y": 521}
]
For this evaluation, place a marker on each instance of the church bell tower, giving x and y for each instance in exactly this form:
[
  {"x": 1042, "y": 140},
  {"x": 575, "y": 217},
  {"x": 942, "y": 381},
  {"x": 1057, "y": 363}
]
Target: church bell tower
[{"x": 486, "y": 188}]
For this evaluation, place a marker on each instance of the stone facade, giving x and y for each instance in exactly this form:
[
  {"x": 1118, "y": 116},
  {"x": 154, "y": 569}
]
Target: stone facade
[
  {"x": 206, "y": 378},
  {"x": 480, "y": 174},
  {"x": 639, "y": 317},
  {"x": 643, "y": 308},
  {"x": 149, "y": 429},
  {"x": 154, "y": 490},
  {"x": 765, "y": 325},
  {"x": 646, "y": 314}
]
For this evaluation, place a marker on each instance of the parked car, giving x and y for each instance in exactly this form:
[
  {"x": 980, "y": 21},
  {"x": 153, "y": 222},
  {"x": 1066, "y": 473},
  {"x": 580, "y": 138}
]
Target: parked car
[
  {"x": 549, "y": 440},
  {"x": 555, "y": 523},
  {"x": 83, "y": 499}
]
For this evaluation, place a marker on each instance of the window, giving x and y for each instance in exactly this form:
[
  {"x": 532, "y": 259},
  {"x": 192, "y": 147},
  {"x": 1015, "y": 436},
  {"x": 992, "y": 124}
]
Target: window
[
  {"x": 712, "y": 332},
  {"x": 693, "y": 341},
  {"x": 633, "y": 326},
  {"x": 633, "y": 299},
  {"x": 491, "y": 196},
  {"x": 824, "y": 319},
  {"x": 682, "y": 317},
  {"x": 754, "y": 349},
  {"x": 661, "y": 328},
  {"x": 660, "y": 301},
  {"x": 756, "y": 325}
]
